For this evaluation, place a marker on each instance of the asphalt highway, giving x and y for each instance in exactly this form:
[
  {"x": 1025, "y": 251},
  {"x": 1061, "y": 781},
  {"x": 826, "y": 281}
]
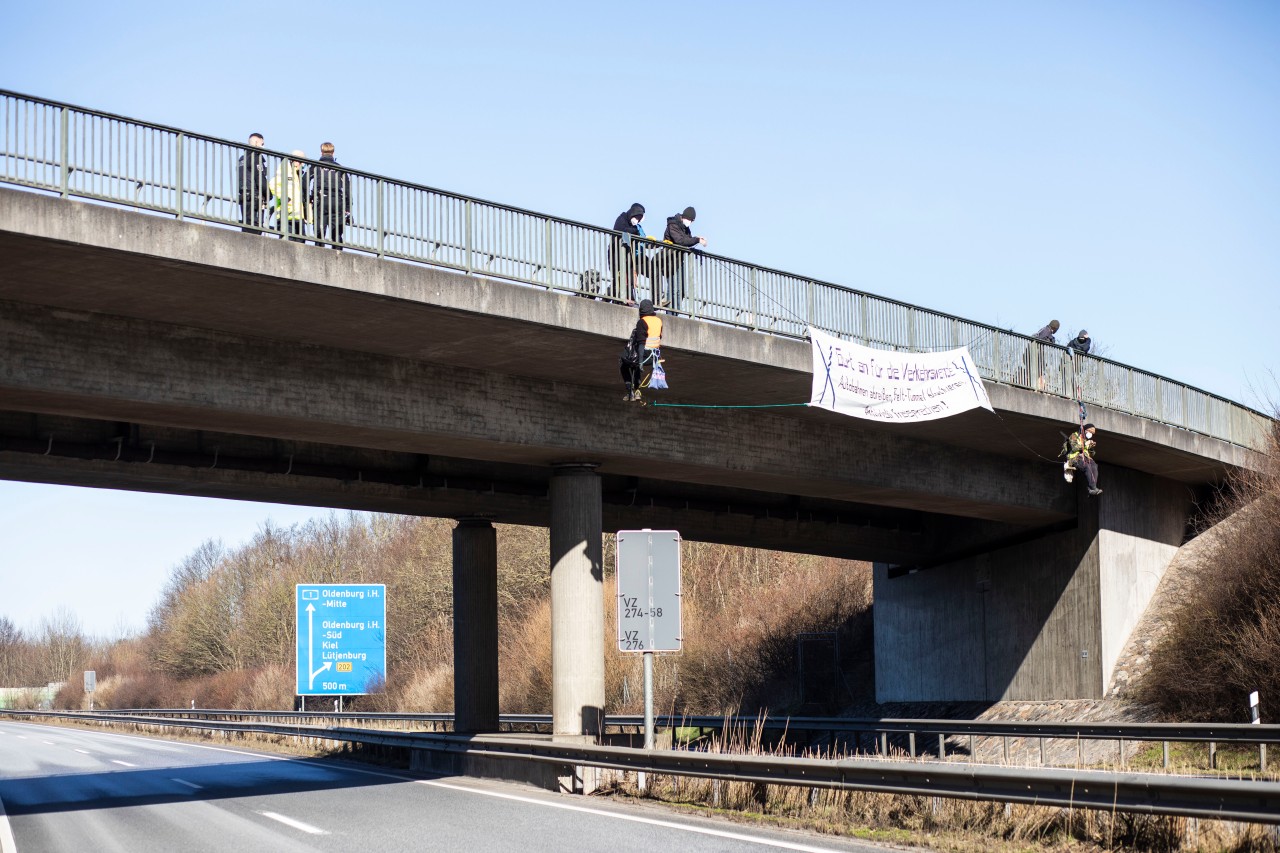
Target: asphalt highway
[{"x": 64, "y": 789}]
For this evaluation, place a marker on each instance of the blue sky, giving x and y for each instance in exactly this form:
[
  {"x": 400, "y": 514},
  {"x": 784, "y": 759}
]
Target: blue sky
[{"x": 1110, "y": 165}]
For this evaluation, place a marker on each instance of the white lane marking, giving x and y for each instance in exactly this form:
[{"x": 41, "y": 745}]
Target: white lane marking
[
  {"x": 191, "y": 785},
  {"x": 84, "y": 752},
  {"x": 668, "y": 824},
  {"x": 296, "y": 824},
  {"x": 700, "y": 830},
  {"x": 179, "y": 743},
  {"x": 7, "y": 844},
  {"x": 48, "y": 743},
  {"x": 122, "y": 763}
]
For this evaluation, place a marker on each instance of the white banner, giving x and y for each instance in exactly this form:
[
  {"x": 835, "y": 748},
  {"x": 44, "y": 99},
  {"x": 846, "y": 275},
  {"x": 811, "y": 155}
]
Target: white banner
[{"x": 897, "y": 387}]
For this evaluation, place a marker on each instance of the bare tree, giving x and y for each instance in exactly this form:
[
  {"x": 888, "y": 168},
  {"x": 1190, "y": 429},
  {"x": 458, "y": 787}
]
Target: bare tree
[
  {"x": 13, "y": 654},
  {"x": 61, "y": 646}
]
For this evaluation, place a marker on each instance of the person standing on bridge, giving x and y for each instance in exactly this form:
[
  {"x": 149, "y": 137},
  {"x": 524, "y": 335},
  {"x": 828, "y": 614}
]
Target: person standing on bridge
[
  {"x": 1040, "y": 354},
  {"x": 1080, "y": 343},
  {"x": 626, "y": 252},
  {"x": 679, "y": 233},
  {"x": 329, "y": 191},
  {"x": 642, "y": 352},
  {"x": 251, "y": 185},
  {"x": 288, "y": 191},
  {"x": 1080, "y": 449}
]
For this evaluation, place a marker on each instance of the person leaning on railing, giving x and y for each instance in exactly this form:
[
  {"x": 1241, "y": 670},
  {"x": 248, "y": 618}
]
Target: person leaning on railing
[
  {"x": 1044, "y": 336},
  {"x": 626, "y": 253},
  {"x": 678, "y": 233},
  {"x": 290, "y": 197},
  {"x": 251, "y": 185}
]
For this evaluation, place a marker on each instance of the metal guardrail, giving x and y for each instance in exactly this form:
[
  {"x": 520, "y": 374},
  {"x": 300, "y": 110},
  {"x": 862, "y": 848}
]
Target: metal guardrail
[
  {"x": 89, "y": 154},
  {"x": 1220, "y": 799},
  {"x": 920, "y": 735}
]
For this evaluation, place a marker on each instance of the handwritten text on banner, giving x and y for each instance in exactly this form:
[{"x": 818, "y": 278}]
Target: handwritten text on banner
[{"x": 897, "y": 387}]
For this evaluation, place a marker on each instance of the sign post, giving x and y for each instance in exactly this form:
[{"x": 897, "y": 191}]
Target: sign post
[
  {"x": 1255, "y": 717},
  {"x": 341, "y": 639},
  {"x": 91, "y": 684},
  {"x": 649, "y": 610}
]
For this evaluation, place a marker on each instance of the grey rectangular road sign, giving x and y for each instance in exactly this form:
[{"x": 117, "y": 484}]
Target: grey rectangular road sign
[{"x": 649, "y": 591}]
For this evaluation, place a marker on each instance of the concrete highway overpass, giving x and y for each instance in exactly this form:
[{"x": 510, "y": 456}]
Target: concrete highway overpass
[{"x": 145, "y": 352}]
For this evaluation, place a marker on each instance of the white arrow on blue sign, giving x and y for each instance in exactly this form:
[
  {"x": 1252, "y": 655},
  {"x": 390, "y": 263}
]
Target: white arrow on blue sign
[{"x": 341, "y": 638}]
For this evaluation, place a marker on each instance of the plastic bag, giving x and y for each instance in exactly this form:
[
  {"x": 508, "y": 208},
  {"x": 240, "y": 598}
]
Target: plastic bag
[{"x": 659, "y": 378}]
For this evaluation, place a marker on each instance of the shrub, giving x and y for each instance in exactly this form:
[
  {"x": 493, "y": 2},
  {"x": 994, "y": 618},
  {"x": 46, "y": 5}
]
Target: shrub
[{"x": 1224, "y": 639}]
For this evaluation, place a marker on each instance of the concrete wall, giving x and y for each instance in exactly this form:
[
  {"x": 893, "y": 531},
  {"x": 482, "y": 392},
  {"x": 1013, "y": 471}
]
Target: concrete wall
[
  {"x": 1143, "y": 522},
  {"x": 1041, "y": 620}
]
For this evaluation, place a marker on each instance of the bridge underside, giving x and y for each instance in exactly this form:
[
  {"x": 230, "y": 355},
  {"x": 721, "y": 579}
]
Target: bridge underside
[
  {"x": 121, "y": 455},
  {"x": 141, "y": 353}
]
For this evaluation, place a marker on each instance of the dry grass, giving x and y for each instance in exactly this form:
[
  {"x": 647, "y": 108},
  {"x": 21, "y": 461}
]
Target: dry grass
[
  {"x": 937, "y": 822},
  {"x": 1224, "y": 639}
]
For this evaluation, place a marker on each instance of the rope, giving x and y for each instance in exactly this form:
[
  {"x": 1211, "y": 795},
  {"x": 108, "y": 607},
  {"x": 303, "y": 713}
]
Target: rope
[{"x": 710, "y": 406}]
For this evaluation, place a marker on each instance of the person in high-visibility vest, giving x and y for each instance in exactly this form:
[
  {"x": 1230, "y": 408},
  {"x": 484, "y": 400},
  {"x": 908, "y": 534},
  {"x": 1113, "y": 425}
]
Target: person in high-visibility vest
[
  {"x": 289, "y": 195},
  {"x": 642, "y": 351}
]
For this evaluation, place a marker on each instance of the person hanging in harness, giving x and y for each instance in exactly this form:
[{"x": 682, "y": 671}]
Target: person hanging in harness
[
  {"x": 1080, "y": 448},
  {"x": 642, "y": 352}
]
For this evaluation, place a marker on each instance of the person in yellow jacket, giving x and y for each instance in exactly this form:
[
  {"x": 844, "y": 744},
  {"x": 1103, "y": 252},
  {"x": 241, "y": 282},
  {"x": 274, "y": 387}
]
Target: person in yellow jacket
[
  {"x": 292, "y": 196},
  {"x": 1081, "y": 448}
]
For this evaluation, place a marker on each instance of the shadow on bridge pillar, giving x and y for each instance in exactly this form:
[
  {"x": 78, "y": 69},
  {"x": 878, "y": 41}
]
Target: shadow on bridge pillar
[
  {"x": 475, "y": 626},
  {"x": 1041, "y": 620},
  {"x": 577, "y": 604}
]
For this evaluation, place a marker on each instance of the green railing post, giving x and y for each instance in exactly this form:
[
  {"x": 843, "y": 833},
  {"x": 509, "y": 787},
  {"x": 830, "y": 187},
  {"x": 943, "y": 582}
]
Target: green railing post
[
  {"x": 64, "y": 121},
  {"x": 547, "y": 232},
  {"x": 177, "y": 181},
  {"x": 467, "y": 225},
  {"x": 755, "y": 300},
  {"x": 812, "y": 296},
  {"x": 691, "y": 282},
  {"x": 379, "y": 219}
]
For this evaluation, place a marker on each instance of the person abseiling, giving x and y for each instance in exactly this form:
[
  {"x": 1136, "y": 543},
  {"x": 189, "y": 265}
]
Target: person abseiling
[
  {"x": 642, "y": 351},
  {"x": 1080, "y": 450}
]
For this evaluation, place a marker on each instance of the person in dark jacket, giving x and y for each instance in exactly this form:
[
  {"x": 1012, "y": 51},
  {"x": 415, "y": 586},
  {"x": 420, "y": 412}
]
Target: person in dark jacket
[
  {"x": 1081, "y": 447},
  {"x": 1047, "y": 333},
  {"x": 329, "y": 191},
  {"x": 251, "y": 186},
  {"x": 1041, "y": 356},
  {"x": 641, "y": 352},
  {"x": 679, "y": 233},
  {"x": 626, "y": 253},
  {"x": 1080, "y": 343}
]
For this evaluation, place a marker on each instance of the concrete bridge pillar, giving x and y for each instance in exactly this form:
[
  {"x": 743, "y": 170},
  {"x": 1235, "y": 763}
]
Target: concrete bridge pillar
[
  {"x": 1041, "y": 620},
  {"x": 577, "y": 603},
  {"x": 475, "y": 626}
]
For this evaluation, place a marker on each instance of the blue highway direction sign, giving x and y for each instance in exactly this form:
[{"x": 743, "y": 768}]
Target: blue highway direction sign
[{"x": 341, "y": 638}]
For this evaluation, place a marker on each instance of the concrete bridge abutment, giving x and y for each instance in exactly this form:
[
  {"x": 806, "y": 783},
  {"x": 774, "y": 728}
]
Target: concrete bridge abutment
[{"x": 1041, "y": 620}]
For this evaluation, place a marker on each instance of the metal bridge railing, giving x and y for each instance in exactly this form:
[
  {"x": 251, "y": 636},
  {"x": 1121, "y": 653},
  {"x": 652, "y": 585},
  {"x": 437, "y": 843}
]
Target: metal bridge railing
[{"x": 89, "y": 154}]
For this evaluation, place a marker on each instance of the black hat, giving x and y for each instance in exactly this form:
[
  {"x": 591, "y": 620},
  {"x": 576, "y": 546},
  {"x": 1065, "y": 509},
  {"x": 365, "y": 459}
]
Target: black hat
[
  {"x": 636, "y": 209},
  {"x": 646, "y": 307},
  {"x": 690, "y": 214},
  {"x": 1084, "y": 333}
]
